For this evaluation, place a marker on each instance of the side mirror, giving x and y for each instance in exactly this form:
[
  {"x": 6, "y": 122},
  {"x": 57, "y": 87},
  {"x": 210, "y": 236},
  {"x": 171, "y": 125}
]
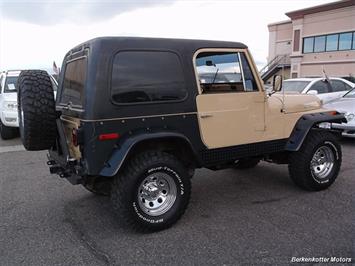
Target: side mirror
[
  {"x": 312, "y": 92},
  {"x": 277, "y": 83}
]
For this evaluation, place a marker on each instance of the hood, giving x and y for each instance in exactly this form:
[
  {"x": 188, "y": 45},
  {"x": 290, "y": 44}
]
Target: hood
[
  {"x": 295, "y": 103},
  {"x": 342, "y": 105},
  {"x": 10, "y": 96}
]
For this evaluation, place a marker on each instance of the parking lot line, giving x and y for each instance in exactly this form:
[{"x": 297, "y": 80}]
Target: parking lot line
[{"x": 12, "y": 148}]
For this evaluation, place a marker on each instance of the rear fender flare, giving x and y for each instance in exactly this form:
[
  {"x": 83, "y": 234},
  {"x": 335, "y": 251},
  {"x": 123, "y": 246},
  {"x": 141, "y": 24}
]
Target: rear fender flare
[{"x": 120, "y": 154}]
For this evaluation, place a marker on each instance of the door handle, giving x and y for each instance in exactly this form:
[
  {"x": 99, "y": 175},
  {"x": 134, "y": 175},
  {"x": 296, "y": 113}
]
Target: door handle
[{"x": 206, "y": 115}]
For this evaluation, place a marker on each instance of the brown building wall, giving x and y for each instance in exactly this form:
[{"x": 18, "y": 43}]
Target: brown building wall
[{"x": 335, "y": 17}]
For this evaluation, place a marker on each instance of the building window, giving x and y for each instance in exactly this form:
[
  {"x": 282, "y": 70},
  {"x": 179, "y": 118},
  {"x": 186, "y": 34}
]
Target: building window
[
  {"x": 331, "y": 42},
  {"x": 308, "y": 45},
  {"x": 319, "y": 44},
  {"x": 296, "y": 41},
  {"x": 345, "y": 41}
]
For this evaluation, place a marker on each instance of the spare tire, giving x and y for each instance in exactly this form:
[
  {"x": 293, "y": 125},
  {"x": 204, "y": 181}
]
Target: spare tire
[{"x": 36, "y": 107}]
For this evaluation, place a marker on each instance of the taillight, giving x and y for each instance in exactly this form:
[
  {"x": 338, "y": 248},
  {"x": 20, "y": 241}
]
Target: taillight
[
  {"x": 333, "y": 113},
  {"x": 109, "y": 136}
]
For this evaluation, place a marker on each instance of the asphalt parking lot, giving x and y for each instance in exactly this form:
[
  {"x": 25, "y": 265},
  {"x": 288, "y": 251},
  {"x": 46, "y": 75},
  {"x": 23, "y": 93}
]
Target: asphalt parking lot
[{"x": 234, "y": 217}]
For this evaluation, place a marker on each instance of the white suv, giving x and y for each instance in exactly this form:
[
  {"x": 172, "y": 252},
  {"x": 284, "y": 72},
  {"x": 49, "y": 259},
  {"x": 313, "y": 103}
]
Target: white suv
[{"x": 8, "y": 103}]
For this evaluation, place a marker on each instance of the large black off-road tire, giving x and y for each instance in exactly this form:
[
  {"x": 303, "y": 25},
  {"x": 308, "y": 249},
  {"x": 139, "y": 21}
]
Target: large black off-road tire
[
  {"x": 246, "y": 163},
  {"x": 316, "y": 165},
  {"x": 7, "y": 132},
  {"x": 36, "y": 105},
  {"x": 152, "y": 192}
]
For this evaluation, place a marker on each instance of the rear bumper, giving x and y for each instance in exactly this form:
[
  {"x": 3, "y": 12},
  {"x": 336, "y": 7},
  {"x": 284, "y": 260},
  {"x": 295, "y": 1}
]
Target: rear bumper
[
  {"x": 64, "y": 166},
  {"x": 61, "y": 163}
]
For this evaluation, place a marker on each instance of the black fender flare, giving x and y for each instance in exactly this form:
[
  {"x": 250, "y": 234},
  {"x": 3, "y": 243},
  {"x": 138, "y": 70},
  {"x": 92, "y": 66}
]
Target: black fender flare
[
  {"x": 120, "y": 154},
  {"x": 305, "y": 123}
]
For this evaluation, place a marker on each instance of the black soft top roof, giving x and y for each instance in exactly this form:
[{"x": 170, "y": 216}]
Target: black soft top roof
[{"x": 187, "y": 45}]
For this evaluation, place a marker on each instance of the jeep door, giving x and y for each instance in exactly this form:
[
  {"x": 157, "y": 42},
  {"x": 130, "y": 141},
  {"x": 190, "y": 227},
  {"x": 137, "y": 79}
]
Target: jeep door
[{"x": 230, "y": 103}]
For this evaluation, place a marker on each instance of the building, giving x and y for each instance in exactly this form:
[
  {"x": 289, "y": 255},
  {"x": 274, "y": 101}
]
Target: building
[{"x": 315, "y": 38}]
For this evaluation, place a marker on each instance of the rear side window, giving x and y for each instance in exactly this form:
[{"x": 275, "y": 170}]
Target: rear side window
[
  {"x": 74, "y": 82},
  {"x": 339, "y": 85},
  {"x": 147, "y": 76}
]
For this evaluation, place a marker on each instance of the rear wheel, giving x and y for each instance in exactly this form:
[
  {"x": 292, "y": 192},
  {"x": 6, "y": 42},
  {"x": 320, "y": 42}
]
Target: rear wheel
[
  {"x": 7, "y": 132},
  {"x": 36, "y": 105},
  {"x": 152, "y": 192},
  {"x": 316, "y": 165}
]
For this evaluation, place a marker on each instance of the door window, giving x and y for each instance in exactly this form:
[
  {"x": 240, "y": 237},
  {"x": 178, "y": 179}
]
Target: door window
[
  {"x": 223, "y": 72},
  {"x": 338, "y": 85},
  {"x": 321, "y": 87},
  {"x": 249, "y": 81}
]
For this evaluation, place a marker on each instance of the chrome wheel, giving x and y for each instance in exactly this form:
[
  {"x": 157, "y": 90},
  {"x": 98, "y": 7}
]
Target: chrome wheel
[
  {"x": 322, "y": 162},
  {"x": 157, "y": 194}
]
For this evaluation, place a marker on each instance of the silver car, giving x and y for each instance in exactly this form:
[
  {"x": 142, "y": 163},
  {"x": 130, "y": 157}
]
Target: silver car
[{"x": 345, "y": 104}]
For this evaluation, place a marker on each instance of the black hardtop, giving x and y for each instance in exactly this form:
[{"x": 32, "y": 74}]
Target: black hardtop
[
  {"x": 100, "y": 53},
  {"x": 190, "y": 45}
]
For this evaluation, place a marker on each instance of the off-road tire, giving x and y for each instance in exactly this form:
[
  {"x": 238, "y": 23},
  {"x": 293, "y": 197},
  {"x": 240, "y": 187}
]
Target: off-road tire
[
  {"x": 125, "y": 188},
  {"x": 246, "y": 163},
  {"x": 300, "y": 161},
  {"x": 7, "y": 132},
  {"x": 36, "y": 99}
]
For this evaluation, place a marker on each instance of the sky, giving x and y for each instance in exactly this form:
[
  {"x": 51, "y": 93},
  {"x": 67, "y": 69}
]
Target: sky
[{"x": 34, "y": 33}]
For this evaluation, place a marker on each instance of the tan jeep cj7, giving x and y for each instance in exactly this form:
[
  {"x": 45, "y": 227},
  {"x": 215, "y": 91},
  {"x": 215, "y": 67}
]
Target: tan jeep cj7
[{"x": 134, "y": 117}]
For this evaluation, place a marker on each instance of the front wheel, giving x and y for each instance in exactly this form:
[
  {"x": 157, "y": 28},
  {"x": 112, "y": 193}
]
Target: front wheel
[
  {"x": 316, "y": 165},
  {"x": 152, "y": 192}
]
